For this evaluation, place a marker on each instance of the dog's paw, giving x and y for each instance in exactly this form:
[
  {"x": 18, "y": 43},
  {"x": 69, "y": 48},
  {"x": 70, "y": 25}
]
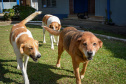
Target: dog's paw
[
  {"x": 44, "y": 41},
  {"x": 54, "y": 41},
  {"x": 18, "y": 68},
  {"x": 82, "y": 76},
  {"x": 58, "y": 65},
  {"x": 52, "y": 48}
]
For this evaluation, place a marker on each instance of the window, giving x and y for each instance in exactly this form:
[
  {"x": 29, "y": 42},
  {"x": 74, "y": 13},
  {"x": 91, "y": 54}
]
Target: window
[
  {"x": 9, "y": 0},
  {"x": 12, "y": 0},
  {"x": 5, "y": 0},
  {"x": 48, "y": 3}
]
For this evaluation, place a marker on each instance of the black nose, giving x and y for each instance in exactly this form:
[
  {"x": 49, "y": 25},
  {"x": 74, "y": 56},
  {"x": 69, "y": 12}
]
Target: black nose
[
  {"x": 39, "y": 55},
  {"x": 90, "y": 53}
]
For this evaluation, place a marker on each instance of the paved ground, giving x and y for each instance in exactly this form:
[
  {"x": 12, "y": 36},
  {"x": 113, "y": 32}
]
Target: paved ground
[{"x": 84, "y": 25}]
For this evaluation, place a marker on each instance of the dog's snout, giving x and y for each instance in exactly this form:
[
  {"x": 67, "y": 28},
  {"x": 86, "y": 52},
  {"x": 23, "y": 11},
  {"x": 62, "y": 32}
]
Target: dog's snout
[
  {"x": 90, "y": 53},
  {"x": 39, "y": 55}
]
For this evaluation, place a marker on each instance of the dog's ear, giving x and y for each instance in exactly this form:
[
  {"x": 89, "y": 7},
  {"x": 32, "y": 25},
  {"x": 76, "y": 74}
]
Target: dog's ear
[
  {"x": 100, "y": 43},
  {"x": 50, "y": 26},
  {"x": 22, "y": 48},
  {"x": 59, "y": 27},
  {"x": 79, "y": 39}
]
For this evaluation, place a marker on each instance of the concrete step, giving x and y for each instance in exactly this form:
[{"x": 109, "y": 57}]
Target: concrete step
[
  {"x": 1, "y": 15},
  {"x": 91, "y": 18},
  {"x": 96, "y": 18}
]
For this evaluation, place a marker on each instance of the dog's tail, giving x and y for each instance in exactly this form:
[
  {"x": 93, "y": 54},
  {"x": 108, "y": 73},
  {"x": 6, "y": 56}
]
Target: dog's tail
[
  {"x": 51, "y": 31},
  {"x": 30, "y": 17}
]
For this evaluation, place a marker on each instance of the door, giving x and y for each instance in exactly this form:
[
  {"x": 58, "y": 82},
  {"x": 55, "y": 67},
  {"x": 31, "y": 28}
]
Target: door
[
  {"x": 23, "y": 2},
  {"x": 80, "y": 6}
]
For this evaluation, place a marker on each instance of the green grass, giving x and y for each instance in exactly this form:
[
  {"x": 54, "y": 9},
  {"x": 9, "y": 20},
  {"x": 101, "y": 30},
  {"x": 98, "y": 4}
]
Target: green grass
[{"x": 107, "y": 67}]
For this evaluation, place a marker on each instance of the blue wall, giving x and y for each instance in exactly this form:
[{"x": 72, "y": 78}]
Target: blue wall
[
  {"x": 100, "y": 6},
  {"x": 117, "y": 7},
  {"x": 61, "y": 10}
]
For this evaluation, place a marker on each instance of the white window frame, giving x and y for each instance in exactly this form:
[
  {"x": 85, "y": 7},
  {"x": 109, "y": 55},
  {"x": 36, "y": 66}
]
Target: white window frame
[{"x": 45, "y": 4}]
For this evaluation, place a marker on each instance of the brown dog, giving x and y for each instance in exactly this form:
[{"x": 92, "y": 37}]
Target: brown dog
[{"x": 81, "y": 46}]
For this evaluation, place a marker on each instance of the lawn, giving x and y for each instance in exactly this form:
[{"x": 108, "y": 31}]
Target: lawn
[{"x": 107, "y": 67}]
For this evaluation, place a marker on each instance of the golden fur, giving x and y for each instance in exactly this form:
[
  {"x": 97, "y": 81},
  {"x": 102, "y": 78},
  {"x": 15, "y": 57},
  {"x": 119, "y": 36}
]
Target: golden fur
[{"x": 81, "y": 46}]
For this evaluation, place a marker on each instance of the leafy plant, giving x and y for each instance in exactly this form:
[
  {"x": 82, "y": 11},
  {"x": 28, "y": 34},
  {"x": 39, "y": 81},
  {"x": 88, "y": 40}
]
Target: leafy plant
[
  {"x": 23, "y": 11},
  {"x": 8, "y": 14},
  {"x": 106, "y": 19}
]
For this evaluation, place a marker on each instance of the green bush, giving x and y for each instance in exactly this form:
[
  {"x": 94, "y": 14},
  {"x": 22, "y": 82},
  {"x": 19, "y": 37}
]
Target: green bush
[
  {"x": 8, "y": 14},
  {"x": 23, "y": 11}
]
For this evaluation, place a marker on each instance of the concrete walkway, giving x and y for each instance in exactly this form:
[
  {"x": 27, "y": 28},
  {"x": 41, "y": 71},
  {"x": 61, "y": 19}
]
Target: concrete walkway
[{"x": 86, "y": 25}]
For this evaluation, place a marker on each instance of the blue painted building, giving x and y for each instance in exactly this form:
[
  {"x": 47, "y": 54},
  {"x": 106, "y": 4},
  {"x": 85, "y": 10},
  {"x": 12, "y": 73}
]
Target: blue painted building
[
  {"x": 64, "y": 8},
  {"x": 117, "y": 9},
  {"x": 59, "y": 8},
  {"x": 8, "y": 4}
]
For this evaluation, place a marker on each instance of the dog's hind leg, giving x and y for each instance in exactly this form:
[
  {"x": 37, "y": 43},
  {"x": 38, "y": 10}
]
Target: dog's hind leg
[
  {"x": 83, "y": 70},
  {"x": 43, "y": 32},
  {"x": 18, "y": 67},
  {"x": 60, "y": 51},
  {"x": 57, "y": 40},
  {"x": 26, "y": 61}
]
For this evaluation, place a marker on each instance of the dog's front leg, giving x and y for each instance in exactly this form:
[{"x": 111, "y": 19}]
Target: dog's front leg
[
  {"x": 54, "y": 39},
  {"x": 83, "y": 70},
  {"x": 26, "y": 62},
  {"x": 60, "y": 51},
  {"x": 51, "y": 39},
  {"x": 76, "y": 71},
  {"x": 24, "y": 73}
]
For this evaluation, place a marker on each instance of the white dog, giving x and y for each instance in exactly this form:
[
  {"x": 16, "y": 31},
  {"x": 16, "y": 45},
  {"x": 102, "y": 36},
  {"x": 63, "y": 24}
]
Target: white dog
[
  {"x": 24, "y": 45},
  {"x": 52, "y": 22}
]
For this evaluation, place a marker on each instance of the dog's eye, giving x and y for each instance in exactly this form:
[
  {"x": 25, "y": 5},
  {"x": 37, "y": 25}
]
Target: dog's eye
[
  {"x": 31, "y": 48},
  {"x": 85, "y": 44},
  {"x": 94, "y": 44}
]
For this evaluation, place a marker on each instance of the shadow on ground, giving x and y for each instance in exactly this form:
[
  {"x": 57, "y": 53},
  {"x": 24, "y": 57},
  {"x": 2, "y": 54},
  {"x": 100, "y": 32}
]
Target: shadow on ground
[
  {"x": 42, "y": 73},
  {"x": 117, "y": 48},
  {"x": 38, "y": 73},
  {"x": 3, "y": 71}
]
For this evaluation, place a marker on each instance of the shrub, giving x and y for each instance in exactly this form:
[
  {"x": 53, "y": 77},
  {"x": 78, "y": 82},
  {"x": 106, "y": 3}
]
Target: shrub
[
  {"x": 8, "y": 14},
  {"x": 23, "y": 11}
]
